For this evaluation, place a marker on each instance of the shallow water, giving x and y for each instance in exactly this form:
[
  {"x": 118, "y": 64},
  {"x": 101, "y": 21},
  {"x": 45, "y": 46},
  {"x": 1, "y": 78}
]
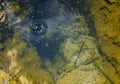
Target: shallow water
[{"x": 43, "y": 40}]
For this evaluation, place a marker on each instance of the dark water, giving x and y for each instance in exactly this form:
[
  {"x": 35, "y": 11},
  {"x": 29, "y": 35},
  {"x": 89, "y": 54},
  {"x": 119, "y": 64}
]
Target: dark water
[{"x": 45, "y": 16}]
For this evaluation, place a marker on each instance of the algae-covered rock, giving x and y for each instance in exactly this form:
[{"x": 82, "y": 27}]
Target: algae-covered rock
[
  {"x": 105, "y": 17},
  {"x": 88, "y": 74},
  {"x": 25, "y": 64},
  {"x": 4, "y": 77},
  {"x": 80, "y": 51},
  {"x": 75, "y": 29}
]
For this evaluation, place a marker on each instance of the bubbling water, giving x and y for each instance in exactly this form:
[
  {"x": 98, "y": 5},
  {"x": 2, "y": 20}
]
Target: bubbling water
[{"x": 38, "y": 27}]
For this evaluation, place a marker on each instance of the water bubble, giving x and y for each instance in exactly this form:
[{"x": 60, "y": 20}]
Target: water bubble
[{"x": 38, "y": 27}]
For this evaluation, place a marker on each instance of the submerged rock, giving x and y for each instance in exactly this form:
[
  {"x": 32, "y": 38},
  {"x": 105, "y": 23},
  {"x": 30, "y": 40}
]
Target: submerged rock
[
  {"x": 79, "y": 51},
  {"x": 88, "y": 74}
]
